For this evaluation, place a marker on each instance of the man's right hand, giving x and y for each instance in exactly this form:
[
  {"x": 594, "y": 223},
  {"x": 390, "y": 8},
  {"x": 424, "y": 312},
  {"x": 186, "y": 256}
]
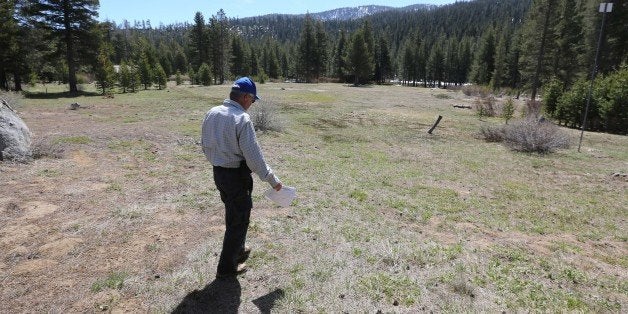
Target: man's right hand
[{"x": 277, "y": 187}]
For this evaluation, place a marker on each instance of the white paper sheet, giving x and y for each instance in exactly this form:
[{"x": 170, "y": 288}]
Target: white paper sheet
[{"x": 283, "y": 197}]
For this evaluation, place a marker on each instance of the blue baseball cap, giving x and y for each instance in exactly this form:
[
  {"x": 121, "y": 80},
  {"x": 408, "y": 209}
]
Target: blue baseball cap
[{"x": 245, "y": 85}]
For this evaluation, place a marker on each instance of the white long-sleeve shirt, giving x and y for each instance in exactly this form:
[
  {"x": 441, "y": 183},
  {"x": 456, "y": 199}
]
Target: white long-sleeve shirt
[{"x": 228, "y": 137}]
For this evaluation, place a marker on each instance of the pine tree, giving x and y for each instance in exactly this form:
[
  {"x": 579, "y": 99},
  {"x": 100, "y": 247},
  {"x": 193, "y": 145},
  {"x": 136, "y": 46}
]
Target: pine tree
[
  {"x": 538, "y": 39},
  {"x": 464, "y": 61},
  {"x": 512, "y": 75},
  {"x": 369, "y": 40},
  {"x": 360, "y": 63},
  {"x": 615, "y": 46},
  {"x": 104, "y": 71},
  {"x": 145, "y": 71},
  {"x": 498, "y": 76},
  {"x": 569, "y": 44},
  {"x": 451, "y": 64},
  {"x": 219, "y": 49},
  {"x": 192, "y": 75},
  {"x": 238, "y": 57},
  {"x": 69, "y": 21},
  {"x": 321, "y": 53},
  {"x": 135, "y": 79},
  {"x": 160, "y": 76},
  {"x": 199, "y": 41},
  {"x": 204, "y": 75},
  {"x": 177, "y": 78},
  {"x": 484, "y": 61},
  {"x": 339, "y": 57},
  {"x": 408, "y": 62},
  {"x": 307, "y": 62},
  {"x": 9, "y": 38},
  {"x": 383, "y": 63},
  {"x": 124, "y": 76},
  {"x": 435, "y": 64}
]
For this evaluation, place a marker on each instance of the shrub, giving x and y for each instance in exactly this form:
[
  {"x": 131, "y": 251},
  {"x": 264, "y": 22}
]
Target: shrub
[
  {"x": 204, "y": 75},
  {"x": 476, "y": 90},
  {"x": 531, "y": 135},
  {"x": 265, "y": 118},
  {"x": 44, "y": 148},
  {"x": 492, "y": 133},
  {"x": 508, "y": 110},
  {"x": 551, "y": 93},
  {"x": 571, "y": 105},
  {"x": 612, "y": 95},
  {"x": 485, "y": 106},
  {"x": 178, "y": 78}
]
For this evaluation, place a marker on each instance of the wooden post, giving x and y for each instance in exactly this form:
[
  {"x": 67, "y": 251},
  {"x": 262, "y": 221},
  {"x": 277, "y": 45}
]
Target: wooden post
[{"x": 435, "y": 124}]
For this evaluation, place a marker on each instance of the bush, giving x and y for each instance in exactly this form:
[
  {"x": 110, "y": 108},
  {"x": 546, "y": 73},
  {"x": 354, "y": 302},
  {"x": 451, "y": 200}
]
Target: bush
[
  {"x": 265, "y": 117},
  {"x": 508, "y": 110},
  {"x": 492, "y": 133},
  {"x": 571, "y": 105},
  {"x": 531, "y": 135},
  {"x": 532, "y": 109},
  {"x": 44, "y": 148},
  {"x": 476, "y": 90},
  {"x": 612, "y": 95},
  {"x": 204, "y": 75},
  {"x": 551, "y": 93},
  {"x": 485, "y": 106}
]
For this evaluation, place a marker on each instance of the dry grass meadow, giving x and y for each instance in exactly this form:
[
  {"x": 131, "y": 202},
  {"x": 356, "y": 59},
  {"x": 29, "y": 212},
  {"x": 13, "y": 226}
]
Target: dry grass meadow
[{"x": 122, "y": 213}]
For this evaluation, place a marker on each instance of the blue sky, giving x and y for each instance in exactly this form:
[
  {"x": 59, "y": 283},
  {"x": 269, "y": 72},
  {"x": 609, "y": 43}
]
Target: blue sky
[{"x": 171, "y": 11}]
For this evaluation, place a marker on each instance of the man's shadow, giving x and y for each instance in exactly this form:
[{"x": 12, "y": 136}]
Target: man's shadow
[
  {"x": 223, "y": 296},
  {"x": 220, "y": 296}
]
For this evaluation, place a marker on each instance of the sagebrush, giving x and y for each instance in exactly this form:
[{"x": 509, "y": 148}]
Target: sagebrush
[
  {"x": 528, "y": 135},
  {"x": 265, "y": 117}
]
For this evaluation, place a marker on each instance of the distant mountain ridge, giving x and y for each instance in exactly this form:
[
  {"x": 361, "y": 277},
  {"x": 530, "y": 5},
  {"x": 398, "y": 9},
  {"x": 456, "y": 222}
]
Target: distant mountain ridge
[{"x": 351, "y": 13}]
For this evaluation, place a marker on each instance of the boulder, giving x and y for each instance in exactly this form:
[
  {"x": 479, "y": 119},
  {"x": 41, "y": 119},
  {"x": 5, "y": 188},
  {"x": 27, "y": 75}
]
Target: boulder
[{"x": 15, "y": 137}]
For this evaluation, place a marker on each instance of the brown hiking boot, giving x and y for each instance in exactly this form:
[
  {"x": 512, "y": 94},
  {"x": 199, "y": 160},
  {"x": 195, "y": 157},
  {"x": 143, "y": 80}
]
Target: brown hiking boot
[
  {"x": 240, "y": 270},
  {"x": 244, "y": 255}
]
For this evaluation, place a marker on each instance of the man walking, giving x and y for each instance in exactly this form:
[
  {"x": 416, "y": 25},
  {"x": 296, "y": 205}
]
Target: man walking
[{"x": 230, "y": 145}]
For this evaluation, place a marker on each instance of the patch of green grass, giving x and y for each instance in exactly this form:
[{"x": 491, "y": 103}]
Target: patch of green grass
[
  {"x": 358, "y": 195},
  {"x": 390, "y": 288},
  {"x": 315, "y": 97},
  {"x": 353, "y": 233},
  {"x": 141, "y": 148},
  {"x": 73, "y": 140},
  {"x": 114, "y": 187},
  {"x": 434, "y": 254},
  {"x": 50, "y": 173},
  {"x": 442, "y": 96},
  {"x": 113, "y": 281}
]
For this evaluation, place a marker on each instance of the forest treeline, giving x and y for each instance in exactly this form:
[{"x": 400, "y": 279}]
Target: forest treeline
[{"x": 511, "y": 46}]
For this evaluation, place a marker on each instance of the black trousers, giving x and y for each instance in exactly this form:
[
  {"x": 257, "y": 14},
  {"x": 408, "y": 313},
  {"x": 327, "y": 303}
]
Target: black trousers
[{"x": 235, "y": 186}]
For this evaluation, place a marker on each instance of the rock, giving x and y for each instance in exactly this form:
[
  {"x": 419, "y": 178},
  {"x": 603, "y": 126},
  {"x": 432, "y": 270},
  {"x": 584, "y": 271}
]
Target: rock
[
  {"x": 15, "y": 137},
  {"x": 74, "y": 106}
]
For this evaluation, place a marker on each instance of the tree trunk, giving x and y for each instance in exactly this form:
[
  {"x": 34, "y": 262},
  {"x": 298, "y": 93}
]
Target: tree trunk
[
  {"x": 539, "y": 62},
  {"x": 18, "y": 82},
  {"x": 3, "y": 80},
  {"x": 70, "y": 47}
]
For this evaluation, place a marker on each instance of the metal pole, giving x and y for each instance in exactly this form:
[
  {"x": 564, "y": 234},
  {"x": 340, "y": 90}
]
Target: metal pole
[{"x": 603, "y": 8}]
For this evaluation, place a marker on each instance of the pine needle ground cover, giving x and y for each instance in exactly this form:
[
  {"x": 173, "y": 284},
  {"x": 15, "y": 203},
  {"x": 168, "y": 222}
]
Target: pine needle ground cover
[{"x": 387, "y": 217}]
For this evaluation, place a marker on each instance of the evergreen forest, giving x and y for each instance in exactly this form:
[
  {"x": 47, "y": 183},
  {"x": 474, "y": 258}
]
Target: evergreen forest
[{"x": 542, "y": 49}]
